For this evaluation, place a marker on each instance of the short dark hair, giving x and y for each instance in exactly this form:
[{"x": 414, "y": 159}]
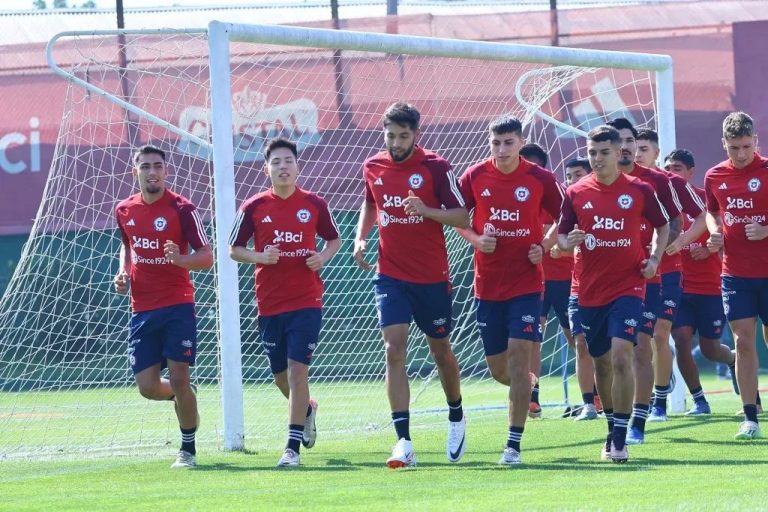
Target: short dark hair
[
  {"x": 506, "y": 124},
  {"x": 535, "y": 154},
  {"x": 682, "y": 155},
  {"x": 648, "y": 134},
  {"x": 279, "y": 142},
  {"x": 738, "y": 124},
  {"x": 603, "y": 133},
  {"x": 579, "y": 162},
  {"x": 622, "y": 123},
  {"x": 403, "y": 114},
  {"x": 147, "y": 149}
]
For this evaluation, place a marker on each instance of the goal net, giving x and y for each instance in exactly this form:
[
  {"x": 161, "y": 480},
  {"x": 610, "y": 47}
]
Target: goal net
[{"x": 65, "y": 383}]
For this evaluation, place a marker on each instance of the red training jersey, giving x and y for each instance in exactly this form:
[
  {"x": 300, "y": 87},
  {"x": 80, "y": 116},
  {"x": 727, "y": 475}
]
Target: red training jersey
[
  {"x": 509, "y": 206},
  {"x": 700, "y": 276},
  {"x": 611, "y": 215},
  {"x": 411, "y": 247},
  {"x": 156, "y": 282},
  {"x": 291, "y": 225},
  {"x": 691, "y": 205},
  {"x": 740, "y": 197},
  {"x": 578, "y": 265},
  {"x": 556, "y": 269}
]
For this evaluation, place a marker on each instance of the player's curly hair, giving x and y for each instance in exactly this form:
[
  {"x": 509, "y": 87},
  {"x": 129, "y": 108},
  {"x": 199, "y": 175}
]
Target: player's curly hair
[
  {"x": 403, "y": 114},
  {"x": 738, "y": 124}
]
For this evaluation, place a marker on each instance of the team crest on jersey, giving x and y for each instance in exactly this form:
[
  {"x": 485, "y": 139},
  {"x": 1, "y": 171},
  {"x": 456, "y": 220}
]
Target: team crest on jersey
[
  {"x": 522, "y": 194},
  {"x": 303, "y": 215},
  {"x": 590, "y": 242},
  {"x": 489, "y": 229},
  {"x": 754, "y": 185},
  {"x": 160, "y": 224},
  {"x": 416, "y": 181},
  {"x": 383, "y": 218},
  {"x": 625, "y": 201}
]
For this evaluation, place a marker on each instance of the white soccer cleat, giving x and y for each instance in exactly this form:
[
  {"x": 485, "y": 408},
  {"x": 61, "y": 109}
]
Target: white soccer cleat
[
  {"x": 748, "y": 431},
  {"x": 290, "y": 459},
  {"x": 619, "y": 456},
  {"x": 403, "y": 455},
  {"x": 455, "y": 446},
  {"x": 310, "y": 429},
  {"x": 588, "y": 412},
  {"x": 510, "y": 457},
  {"x": 184, "y": 460}
]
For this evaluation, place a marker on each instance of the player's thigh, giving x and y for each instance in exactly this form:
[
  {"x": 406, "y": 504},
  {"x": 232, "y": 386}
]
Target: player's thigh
[
  {"x": 273, "y": 341},
  {"x": 145, "y": 343},
  {"x": 392, "y": 302},
  {"x": 180, "y": 334},
  {"x": 432, "y": 308},
  {"x": 302, "y": 334}
]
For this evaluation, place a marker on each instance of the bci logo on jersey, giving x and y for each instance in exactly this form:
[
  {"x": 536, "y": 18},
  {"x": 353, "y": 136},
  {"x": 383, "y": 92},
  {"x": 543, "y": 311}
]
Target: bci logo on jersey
[
  {"x": 502, "y": 214},
  {"x": 145, "y": 243},
  {"x": 739, "y": 203},
  {"x": 287, "y": 237},
  {"x": 160, "y": 224},
  {"x": 392, "y": 201},
  {"x": 608, "y": 223}
]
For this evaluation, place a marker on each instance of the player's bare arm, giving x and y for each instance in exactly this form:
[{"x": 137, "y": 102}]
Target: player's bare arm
[
  {"x": 364, "y": 225},
  {"x": 572, "y": 239},
  {"x": 485, "y": 242},
  {"x": 269, "y": 256},
  {"x": 200, "y": 259},
  {"x": 318, "y": 259},
  {"x": 692, "y": 234},
  {"x": 454, "y": 217},
  {"x": 658, "y": 243},
  {"x": 122, "y": 279},
  {"x": 715, "y": 227}
]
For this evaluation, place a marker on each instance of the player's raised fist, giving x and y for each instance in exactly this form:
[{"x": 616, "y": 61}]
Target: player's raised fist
[
  {"x": 172, "y": 252},
  {"x": 270, "y": 256},
  {"x": 755, "y": 231},
  {"x": 576, "y": 236},
  {"x": 535, "y": 253},
  {"x": 715, "y": 241},
  {"x": 121, "y": 283},
  {"x": 413, "y": 204},
  {"x": 315, "y": 262}
]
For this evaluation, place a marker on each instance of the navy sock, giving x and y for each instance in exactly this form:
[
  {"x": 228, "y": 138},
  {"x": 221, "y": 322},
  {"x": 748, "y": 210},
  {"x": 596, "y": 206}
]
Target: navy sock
[
  {"x": 619, "y": 435},
  {"x": 660, "y": 399},
  {"x": 609, "y": 416},
  {"x": 455, "y": 412},
  {"x": 698, "y": 395},
  {"x": 639, "y": 415},
  {"x": 309, "y": 410},
  {"x": 757, "y": 399},
  {"x": 188, "y": 440},
  {"x": 535, "y": 394},
  {"x": 514, "y": 437},
  {"x": 589, "y": 398},
  {"x": 750, "y": 413},
  {"x": 401, "y": 420},
  {"x": 295, "y": 434}
]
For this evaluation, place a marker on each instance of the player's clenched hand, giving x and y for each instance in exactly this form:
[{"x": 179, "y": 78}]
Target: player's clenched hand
[
  {"x": 121, "y": 283},
  {"x": 485, "y": 243},
  {"x": 555, "y": 252},
  {"x": 315, "y": 262},
  {"x": 648, "y": 267},
  {"x": 715, "y": 242},
  {"x": 674, "y": 248},
  {"x": 700, "y": 253},
  {"x": 172, "y": 252},
  {"x": 535, "y": 254},
  {"x": 755, "y": 231},
  {"x": 576, "y": 236},
  {"x": 413, "y": 204},
  {"x": 359, "y": 254},
  {"x": 270, "y": 256}
]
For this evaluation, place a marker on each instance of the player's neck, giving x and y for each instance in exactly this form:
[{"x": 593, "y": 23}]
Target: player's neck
[
  {"x": 285, "y": 191},
  {"x": 607, "y": 178},
  {"x": 507, "y": 166},
  {"x": 149, "y": 197},
  {"x": 627, "y": 169}
]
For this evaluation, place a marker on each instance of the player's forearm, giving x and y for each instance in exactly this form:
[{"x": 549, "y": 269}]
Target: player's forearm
[
  {"x": 659, "y": 241},
  {"x": 550, "y": 238},
  {"x": 714, "y": 224},
  {"x": 698, "y": 228},
  {"x": 454, "y": 217},
  {"x": 675, "y": 228},
  {"x": 562, "y": 242},
  {"x": 201, "y": 259},
  {"x": 125, "y": 260},
  {"x": 244, "y": 255},
  {"x": 366, "y": 220},
  {"x": 330, "y": 249},
  {"x": 467, "y": 234}
]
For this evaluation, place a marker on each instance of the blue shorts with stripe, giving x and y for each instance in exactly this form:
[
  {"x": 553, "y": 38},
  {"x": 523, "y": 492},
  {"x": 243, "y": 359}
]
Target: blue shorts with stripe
[
  {"x": 671, "y": 292},
  {"x": 556, "y": 297},
  {"x": 516, "y": 318},
  {"x": 651, "y": 306},
  {"x": 429, "y": 305},
  {"x": 291, "y": 335},
  {"x": 618, "y": 319},
  {"x": 745, "y": 297},
  {"x": 574, "y": 318},
  {"x": 161, "y": 334},
  {"x": 703, "y": 313}
]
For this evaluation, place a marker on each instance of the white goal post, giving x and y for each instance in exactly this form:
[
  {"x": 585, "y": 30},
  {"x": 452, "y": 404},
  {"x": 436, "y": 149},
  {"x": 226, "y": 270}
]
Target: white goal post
[{"x": 211, "y": 97}]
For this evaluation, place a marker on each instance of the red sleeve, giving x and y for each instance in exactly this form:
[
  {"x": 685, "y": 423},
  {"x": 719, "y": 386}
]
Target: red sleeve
[
  {"x": 689, "y": 200},
  {"x": 567, "y": 216},
  {"x": 446, "y": 186},
  {"x": 652, "y": 207},
  {"x": 465, "y": 187},
  {"x": 368, "y": 192},
  {"x": 243, "y": 229},
  {"x": 712, "y": 205},
  {"x": 123, "y": 235},
  {"x": 326, "y": 226},
  {"x": 667, "y": 196},
  {"x": 553, "y": 196},
  {"x": 192, "y": 226}
]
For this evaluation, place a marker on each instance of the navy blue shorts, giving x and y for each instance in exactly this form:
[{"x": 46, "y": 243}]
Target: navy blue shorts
[
  {"x": 651, "y": 306},
  {"x": 161, "y": 334},
  {"x": 429, "y": 305},
  {"x": 517, "y": 318},
  {"x": 619, "y": 319},
  {"x": 671, "y": 291},
  {"x": 556, "y": 297},
  {"x": 704, "y": 313},
  {"x": 745, "y": 297},
  {"x": 574, "y": 318},
  {"x": 290, "y": 335}
]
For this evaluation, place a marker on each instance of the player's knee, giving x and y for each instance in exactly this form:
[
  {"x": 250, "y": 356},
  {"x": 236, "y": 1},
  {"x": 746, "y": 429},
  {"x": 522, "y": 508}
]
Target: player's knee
[
  {"x": 297, "y": 372},
  {"x": 179, "y": 382},
  {"x": 709, "y": 348},
  {"x": 442, "y": 354},
  {"x": 395, "y": 353},
  {"x": 149, "y": 390},
  {"x": 622, "y": 363}
]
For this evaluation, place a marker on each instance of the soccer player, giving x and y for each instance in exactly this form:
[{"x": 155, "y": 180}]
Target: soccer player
[
  {"x": 737, "y": 207},
  {"x": 412, "y": 193},
  {"x": 557, "y": 281},
  {"x": 671, "y": 269},
  {"x": 645, "y": 350},
  {"x": 284, "y": 222},
  {"x": 507, "y": 194},
  {"x": 701, "y": 306},
  {"x": 585, "y": 368},
  {"x": 603, "y": 214},
  {"x": 158, "y": 227}
]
